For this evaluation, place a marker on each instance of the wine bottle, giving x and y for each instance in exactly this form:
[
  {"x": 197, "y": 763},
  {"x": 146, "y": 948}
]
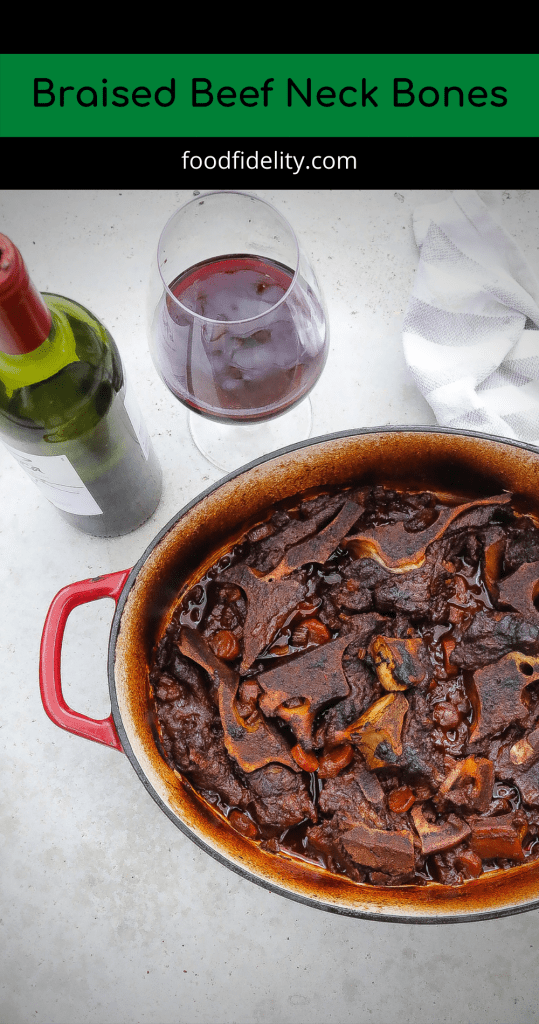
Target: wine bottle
[{"x": 65, "y": 413}]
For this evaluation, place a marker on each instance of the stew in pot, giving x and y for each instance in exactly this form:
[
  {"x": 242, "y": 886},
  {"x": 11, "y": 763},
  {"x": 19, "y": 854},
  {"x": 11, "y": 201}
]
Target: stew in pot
[{"x": 356, "y": 683}]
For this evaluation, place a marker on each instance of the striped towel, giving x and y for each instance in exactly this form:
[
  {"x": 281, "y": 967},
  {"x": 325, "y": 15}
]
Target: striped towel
[{"x": 471, "y": 331}]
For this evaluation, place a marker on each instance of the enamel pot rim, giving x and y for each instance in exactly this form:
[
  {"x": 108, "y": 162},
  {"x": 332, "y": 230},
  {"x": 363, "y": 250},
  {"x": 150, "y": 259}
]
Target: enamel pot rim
[{"x": 507, "y": 892}]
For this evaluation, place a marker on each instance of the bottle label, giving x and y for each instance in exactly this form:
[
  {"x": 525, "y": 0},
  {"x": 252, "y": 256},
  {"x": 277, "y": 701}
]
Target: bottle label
[
  {"x": 59, "y": 481},
  {"x": 138, "y": 424}
]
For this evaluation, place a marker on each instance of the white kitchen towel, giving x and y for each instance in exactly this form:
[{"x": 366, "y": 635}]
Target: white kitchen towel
[{"x": 471, "y": 331}]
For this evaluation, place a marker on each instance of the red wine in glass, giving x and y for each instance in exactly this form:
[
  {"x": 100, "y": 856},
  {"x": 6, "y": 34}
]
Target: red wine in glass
[
  {"x": 239, "y": 330},
  {"x": 240, "y": 338}
]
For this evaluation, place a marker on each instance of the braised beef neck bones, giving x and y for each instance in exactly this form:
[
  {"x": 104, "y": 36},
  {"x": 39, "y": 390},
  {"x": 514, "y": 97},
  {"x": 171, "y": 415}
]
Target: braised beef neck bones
[{"x": 357, "y": 683}]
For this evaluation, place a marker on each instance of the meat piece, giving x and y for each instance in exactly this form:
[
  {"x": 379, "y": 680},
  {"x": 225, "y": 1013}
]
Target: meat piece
[
  {"x": 297, "y": 690},
  {"x": 323, "y": 507},
  {"x": 252, "y": 744},
  {"x": 319, "y": 547},
  {"x": 193, "y": 738},
  {"x": 478, "y": 515},
  {"x": 465, "y": 599},
  {"x": 421, "y": 761},
  {"x": 469, "y": 864},
  {"x": 325, "y": 839},
  {"x": 279, "y": 798},
  {"x": 525, "y": 751},
  {"x": 336, "y": 720},
  {"x": 393, "y": 545},
  {"x": 286, "y": 531},
  {"x": 167, "y": 689},
  {"x": 268, "y": 606},
  {"x": 469, "y": 784},
  {"x": 521, "y": 589},
  {"x": 436, "y": 836},
  {"x": 385, "y": 505},
  {"x": 370, "y": 786},
  {"x": 361, "y": 680},
  {"x": 500, "y": 691},
  {"x": 356, "y": 795},
  {"x": 377, "y": 733},
  {"x": 185, "y": 671},
  {"x": 399, "y": 663},
  {"x": 500, "y": 836},
  {"x": 527, "y": 781},
  {"x": 420, "y": 593},
  {"x": 522, "y": 544},
  {"x": 390, "y": 852},
  {"x": 329, "y": 613},
  {"x": 525, "y": 775},
  {"x": 357, "y": 589},
  {"x": 446, "y": 867},
  {"x": 492, "y": 635},
  {"x": 222, "y": 607},
  {"x": 368, "y": 572},
  {"x": 352, "y": 596},
  {"x": 397, "y": 547}
]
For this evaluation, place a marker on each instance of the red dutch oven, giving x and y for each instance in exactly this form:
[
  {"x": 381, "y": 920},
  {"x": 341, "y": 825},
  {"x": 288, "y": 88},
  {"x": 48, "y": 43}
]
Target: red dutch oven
[{"x": 415, "y": 457}]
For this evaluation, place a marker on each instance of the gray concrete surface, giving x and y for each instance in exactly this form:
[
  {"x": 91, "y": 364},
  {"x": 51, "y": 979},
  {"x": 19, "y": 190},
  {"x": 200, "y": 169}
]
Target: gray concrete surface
[{"x": 109, "y": 914}]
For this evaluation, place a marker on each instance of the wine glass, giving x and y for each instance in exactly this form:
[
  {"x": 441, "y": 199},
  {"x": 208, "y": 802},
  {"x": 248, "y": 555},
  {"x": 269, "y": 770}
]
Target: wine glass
[{"x": 239, "y": 334}]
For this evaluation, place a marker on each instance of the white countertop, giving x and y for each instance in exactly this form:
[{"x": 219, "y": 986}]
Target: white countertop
[{"x": 110, "y": 914}]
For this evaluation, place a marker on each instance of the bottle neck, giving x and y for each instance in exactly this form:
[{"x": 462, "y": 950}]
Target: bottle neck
[
  {"x": 58, "y": 350},
  {"x": 25, "y": 320}
]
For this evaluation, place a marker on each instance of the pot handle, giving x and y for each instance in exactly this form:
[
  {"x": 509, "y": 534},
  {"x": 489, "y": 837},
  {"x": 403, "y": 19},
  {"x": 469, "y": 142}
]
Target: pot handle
[{"x": 100, "y": 730}]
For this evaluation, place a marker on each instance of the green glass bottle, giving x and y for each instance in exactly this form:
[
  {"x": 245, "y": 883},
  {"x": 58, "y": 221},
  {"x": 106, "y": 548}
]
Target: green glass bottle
[{"x": 65, "y": 413}]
